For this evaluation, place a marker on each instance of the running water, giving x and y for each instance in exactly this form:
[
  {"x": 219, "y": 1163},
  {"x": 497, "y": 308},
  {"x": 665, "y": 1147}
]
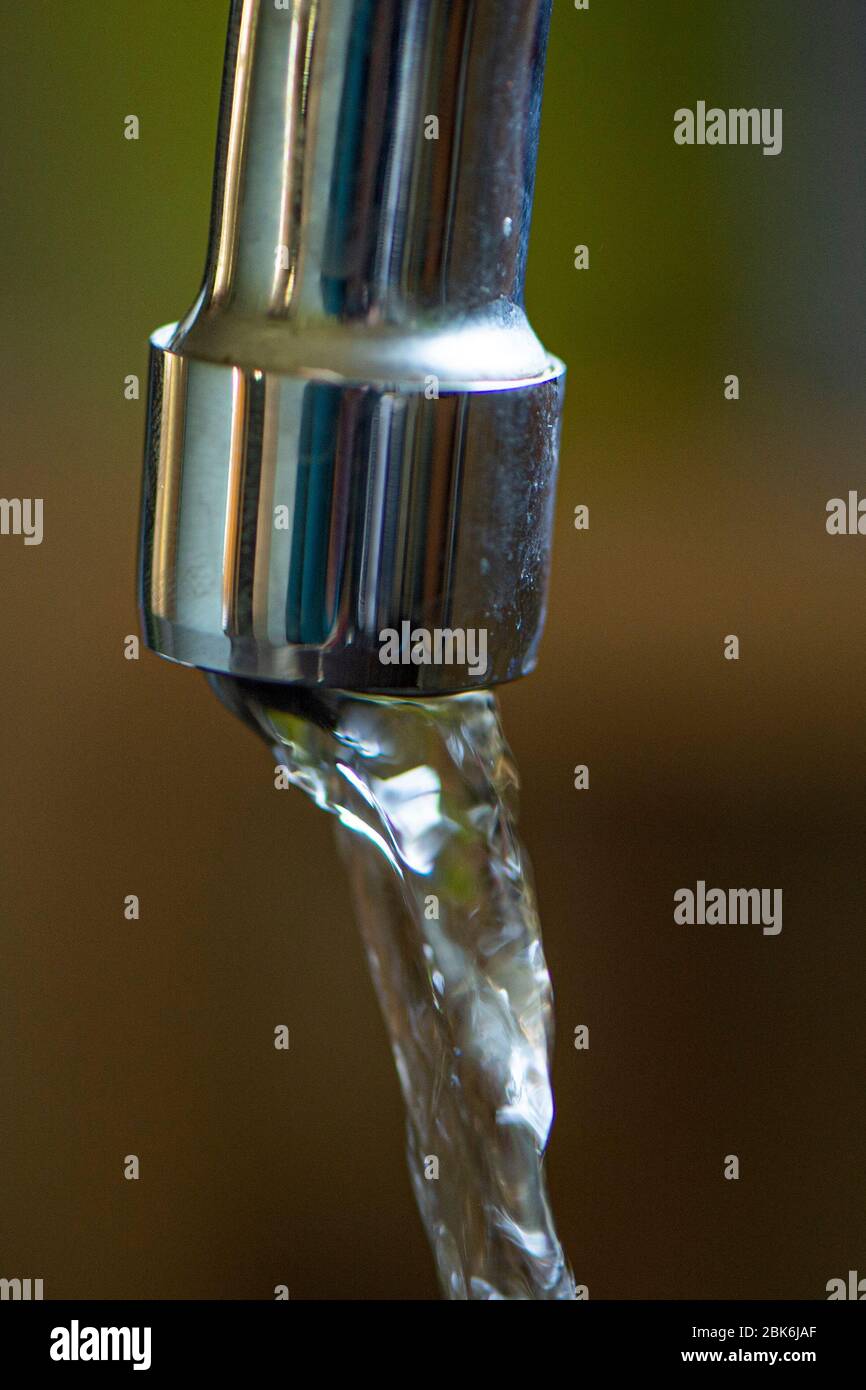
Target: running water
[{"x": 424, "y": 796}]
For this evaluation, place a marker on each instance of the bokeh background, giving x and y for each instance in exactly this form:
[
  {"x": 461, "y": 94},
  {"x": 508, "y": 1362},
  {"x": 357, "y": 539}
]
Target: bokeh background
[{"x": 706, "y": 518}]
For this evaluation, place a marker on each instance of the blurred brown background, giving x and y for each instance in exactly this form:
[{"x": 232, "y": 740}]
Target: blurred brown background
[{"x": 706, "y": 518}]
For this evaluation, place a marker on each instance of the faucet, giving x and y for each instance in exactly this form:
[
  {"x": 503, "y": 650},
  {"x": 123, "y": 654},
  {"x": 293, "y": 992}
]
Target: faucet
[{"x": 352, "y": 436}]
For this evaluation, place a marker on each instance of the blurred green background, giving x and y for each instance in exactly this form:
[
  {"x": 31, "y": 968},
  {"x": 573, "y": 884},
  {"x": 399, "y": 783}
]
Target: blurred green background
[{"x": 706, "y": 518}]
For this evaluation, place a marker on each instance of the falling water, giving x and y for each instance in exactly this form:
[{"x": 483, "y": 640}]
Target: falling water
[{"x": 424, "y": 796}]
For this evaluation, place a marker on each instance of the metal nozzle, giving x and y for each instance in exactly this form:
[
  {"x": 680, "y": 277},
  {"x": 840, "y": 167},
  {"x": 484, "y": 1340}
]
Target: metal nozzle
[{"x": 355, "y": 429}]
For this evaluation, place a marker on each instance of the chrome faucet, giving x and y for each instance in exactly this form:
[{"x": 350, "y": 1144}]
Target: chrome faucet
[{"x": 354, "y": 430}]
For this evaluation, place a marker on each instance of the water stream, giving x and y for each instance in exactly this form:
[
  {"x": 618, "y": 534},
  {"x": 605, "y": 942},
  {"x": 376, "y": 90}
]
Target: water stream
[{"x": 424, "y": 796}]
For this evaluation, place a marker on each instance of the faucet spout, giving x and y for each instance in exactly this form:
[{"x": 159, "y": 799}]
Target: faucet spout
[{"x": 353, "y": 433}]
